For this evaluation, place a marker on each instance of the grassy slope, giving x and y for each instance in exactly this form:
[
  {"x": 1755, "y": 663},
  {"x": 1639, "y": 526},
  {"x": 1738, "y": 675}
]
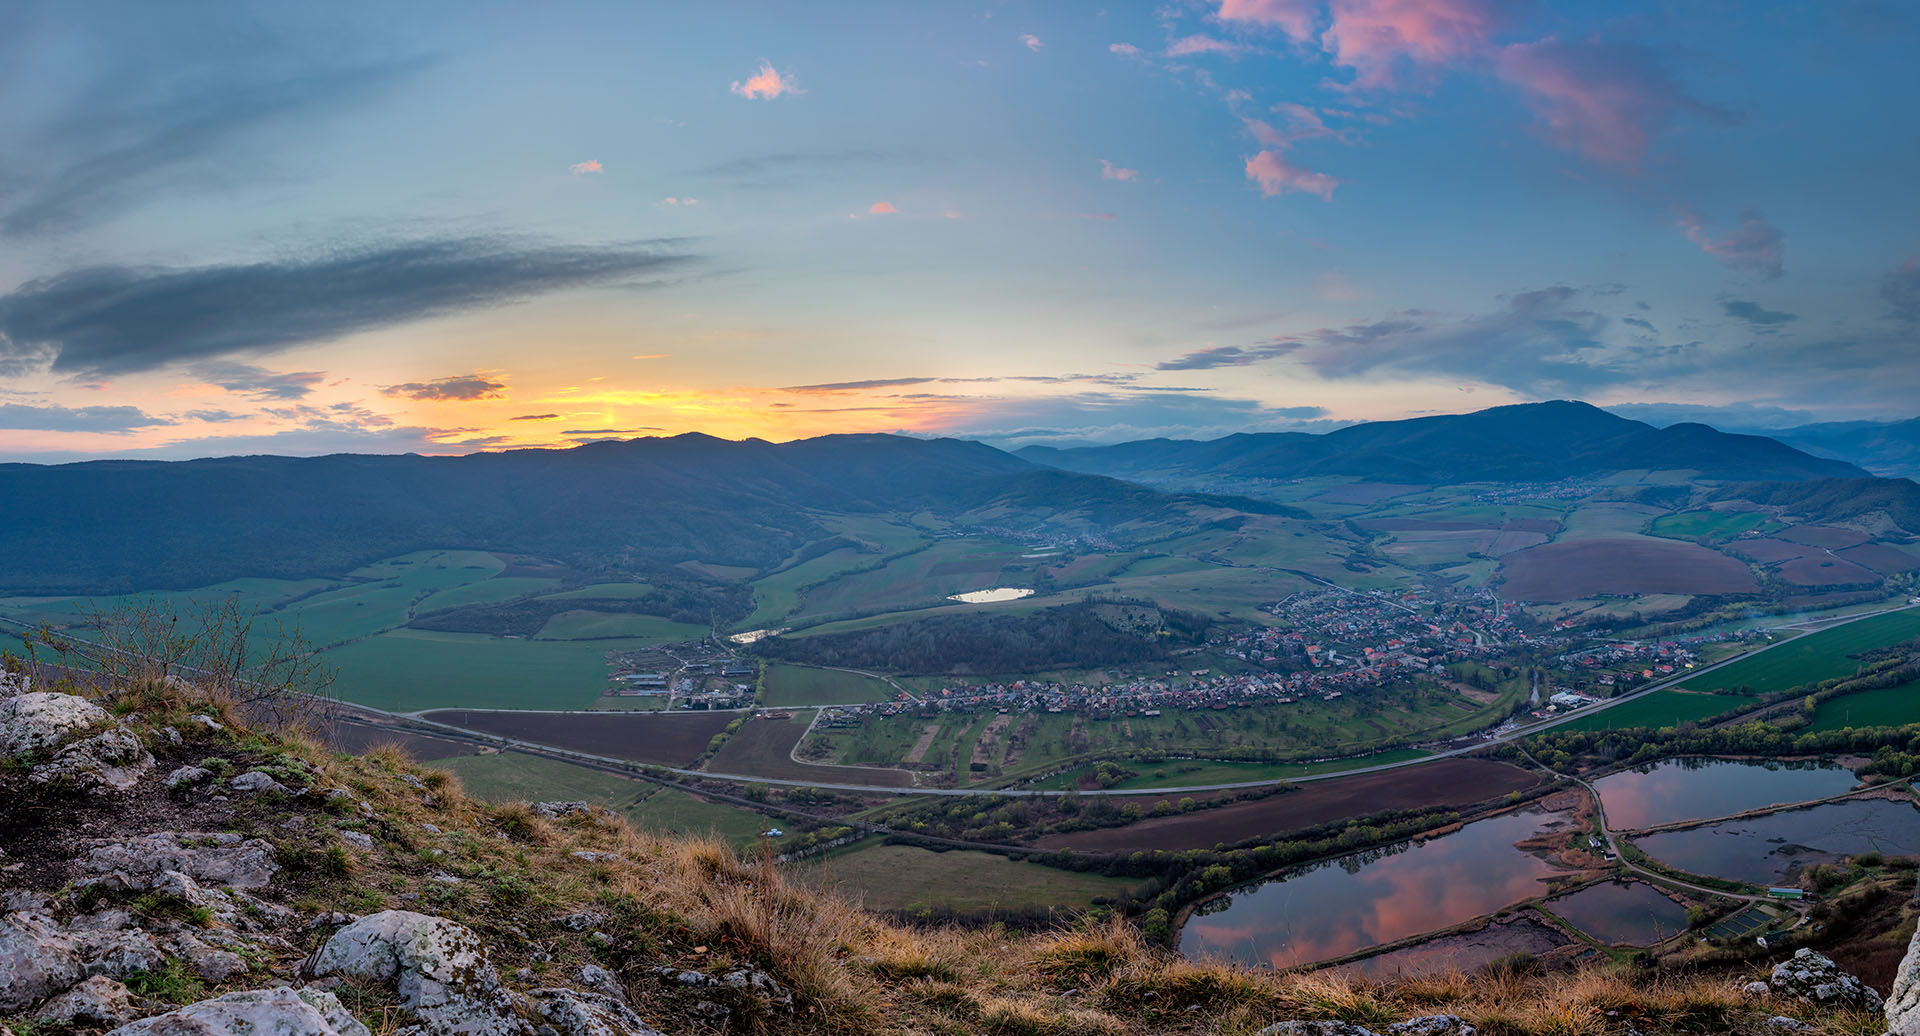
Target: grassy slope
[{"x": 1816, "y": 656}]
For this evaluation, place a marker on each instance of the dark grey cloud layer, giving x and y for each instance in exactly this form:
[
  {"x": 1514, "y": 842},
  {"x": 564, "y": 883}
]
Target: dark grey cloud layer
[
  {"x": 258, "y": 382},
  {"x": 1756, "y": 314},
  {"x": 28, "y": 417},
  {"x": 107, "y": 320},
  {"x": 455, "y": 387}
]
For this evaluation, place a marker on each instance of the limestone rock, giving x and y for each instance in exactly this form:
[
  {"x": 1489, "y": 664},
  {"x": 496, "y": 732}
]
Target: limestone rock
[
  {"x": 258, "y": 782},
  {"x": 121, "y": 953},
  {"x": 1432, "y": 1025},
  {"x": 97, "y": 1001},
  {"x": 1903, "y": 1000},
  {"x": 187, "y": 776},
  {"x": 210, "y": 964},
  {"x": 357, "y": 839},
  {"x": 210, "y": 859},
  {"x": 1314, "y": 1029},
  {"x": 37, "y": 960},
  {"x": 557, "y": 810},
  {"x": 112, "y": 760},
  {"x": 1815, "y": 978},
  {"x": 254, "y": 1012},
  {"x": 42, "y": 720},
  {"x": 577, "y": 1013},
  {"x": 436, "y": 966}
]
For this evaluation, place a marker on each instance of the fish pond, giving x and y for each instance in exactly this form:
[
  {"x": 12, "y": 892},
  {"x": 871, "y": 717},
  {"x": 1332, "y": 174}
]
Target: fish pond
[
  {"x": 1379, "y": 896},
  {"x": 1622, "y": 913},
  {"x": 1700, "y": 789},
  {"x": 1776, "y": 848}
]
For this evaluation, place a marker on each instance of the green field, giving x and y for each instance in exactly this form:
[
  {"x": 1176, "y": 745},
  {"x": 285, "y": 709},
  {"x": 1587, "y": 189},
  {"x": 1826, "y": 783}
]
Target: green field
[
  {"x": 1714, "y": 525},
  {"x": 515, "y": 777},
  {"x": 407, "y": 670},
  {"x": 1816, "y": 656},
  {"x": 785, "y": 685},
  {"x": 908, "y": 879},
  {"x": 1884, "y": 707},
  {"x": 586, "y": 625},
  {"x": 1661, "y": 709},
  {"x": 778, "y": 595},
  {"x": 487, "y": 591}
]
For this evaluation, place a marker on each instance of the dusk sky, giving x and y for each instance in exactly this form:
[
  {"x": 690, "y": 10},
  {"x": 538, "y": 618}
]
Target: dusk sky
[{"x": 280, "y": 228}]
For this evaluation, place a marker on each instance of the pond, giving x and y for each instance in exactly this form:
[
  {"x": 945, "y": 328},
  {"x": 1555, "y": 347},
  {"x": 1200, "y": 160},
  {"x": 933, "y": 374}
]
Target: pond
[
  {"x": 1629, "y": 913},
  {"x": 998, "y": 593},
  {"x": 1699, "y": 789},
  {"x": 1373, "y": 897},
  {"x": 1775, "y": 848}
]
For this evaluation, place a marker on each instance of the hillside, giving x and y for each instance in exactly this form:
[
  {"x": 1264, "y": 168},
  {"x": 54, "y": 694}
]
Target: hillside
[
  {"x": 114, "y": 526},
  {"x": 1534, "y": 442},
  {"x": 171, "y": 872}
]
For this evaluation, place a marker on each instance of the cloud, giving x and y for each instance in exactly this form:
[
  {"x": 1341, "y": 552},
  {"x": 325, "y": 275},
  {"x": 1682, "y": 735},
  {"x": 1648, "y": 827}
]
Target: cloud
[
  {"x": 1639, "y": 323},
  {"x": 1543, "y": 343},
  {"x": 170, "y": 139},
  {"x": 114, "y": 319},
  {"x": 1126, "y": 50},
  {"x": 1109, "y": 171},
  {"x": 1755, "y": 314},
  {"x": 678, "y": 201},
  {"x": 214, "y": 416},
  {"x": 1756, "y": 248},
  {"x": 1294, "y": 17},
  {"x": 1604, "y": 100},
  {"x": 765, "y": 85},
  {"x": 857, "y": 386},
  {"x": 1303, "y": 123},
  {"x": 464, "y": 387},
  {"x": 258, "y": 382},
  {"x": 1200, "y": 43},
  {"x": 881, "y": 208},
  {"x": 1375, "y": 37},
  {"x": 583, "y": 168},
  {"x": 534, "y": 417},
  {"x": 1276, "y": 176},
  {"x": 110, "y": 419},
  {"x": 1031, "y": 42},
  {"x": 1901, "y": 290}
]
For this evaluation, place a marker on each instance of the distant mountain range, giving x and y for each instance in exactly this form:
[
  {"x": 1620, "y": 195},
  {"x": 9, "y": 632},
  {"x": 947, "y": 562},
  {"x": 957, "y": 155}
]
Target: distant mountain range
[
  {"x": 1890, "y": 448},
  {"x": 113, "y": 526},
  {"x": 1533, "y": 442}
]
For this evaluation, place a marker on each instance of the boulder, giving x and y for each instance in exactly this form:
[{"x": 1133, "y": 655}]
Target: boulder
[
  {"x": 37, "y": 960},
  {"x": 1314, "y": 1029},
  {"x": 437, "y": 967},
  {"x": 210, "y": 964},
  {"x": 187, "y": 776},
  {"x": 119, "y": 954},
  {"x": 209, "y": 859},
  {"x": 254, "y": 1012},
  {"x": 258, "y": 782},
  {"x": 577, "y": 1013},
  {"x": 112, "y": 760},
  {"x": 1815, "y": 978},
  {"x": 99, "y": 1001},
  {"x": 1432, "y": 1025},
  {"x": 42, "y": 720}
]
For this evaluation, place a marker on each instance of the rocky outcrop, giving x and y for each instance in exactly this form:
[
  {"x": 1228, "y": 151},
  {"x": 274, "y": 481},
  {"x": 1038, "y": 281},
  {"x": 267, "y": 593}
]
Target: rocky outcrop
[
  {"x": 1903, "y": 1001},
  {"x": 1430, "y": 1025},
  {"x": 37, "y": 959},
  {"x": 576, "y": 1013},
  {"x": 40, "y": 721},
  {"x": 209, "y": 859},
  {"x": 112, "y": 760},
  {"x": 99, "y": 1001},
  {"x": 437, "y": 967},
  {"x": 262, "y": 1012},
  {"x": 1816, "y": 979}
]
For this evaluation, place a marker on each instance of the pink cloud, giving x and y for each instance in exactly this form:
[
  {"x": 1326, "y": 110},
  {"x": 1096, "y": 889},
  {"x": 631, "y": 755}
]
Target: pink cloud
[
  {"x": 765, "y": 84},
  {"x": 1605, "y": 101},
  {"x": 1303, "y": 123},
  {"x": 1293, "y": 17},
  {"x": 1031, "y": 41},
  {"x": 1201, "y": 44},
  {"x": 1756, "y": 248},
  {"x": 1276, "y": 176},
  {"x": 583, "y": 168},
  {"x": 1126, "y": 50},
  {"x": 678, "y": 201},
  {"x": 1373, "y": 36},
  {"x": 881, "y": 208},
  {"x": 1109, "y": 171}
]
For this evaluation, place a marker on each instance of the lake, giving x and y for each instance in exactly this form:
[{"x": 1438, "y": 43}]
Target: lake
[
  {"x": 1699, "y": 789},
  {"x": 1630, "y": 913},
  {"x": 1373, "y": 897},
  {"x": 1777, "y": 847}
]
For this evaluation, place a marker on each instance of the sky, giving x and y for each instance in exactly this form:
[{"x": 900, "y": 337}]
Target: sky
[{"x": 440, "y": 228}]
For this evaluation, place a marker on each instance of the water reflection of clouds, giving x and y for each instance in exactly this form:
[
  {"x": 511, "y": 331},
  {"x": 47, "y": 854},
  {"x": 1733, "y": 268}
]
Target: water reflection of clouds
[
  {"x": 1692, "y": 789},
  {"x": 1332, "y": 910}
]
